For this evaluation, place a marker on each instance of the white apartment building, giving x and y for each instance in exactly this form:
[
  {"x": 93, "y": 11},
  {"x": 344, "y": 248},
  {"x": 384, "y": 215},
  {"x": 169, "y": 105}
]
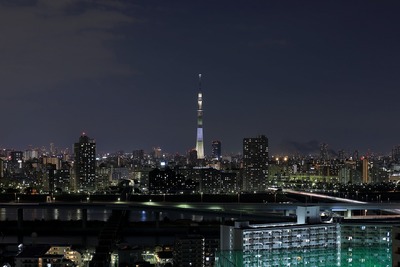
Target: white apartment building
[{"x": 307, "y": 242}]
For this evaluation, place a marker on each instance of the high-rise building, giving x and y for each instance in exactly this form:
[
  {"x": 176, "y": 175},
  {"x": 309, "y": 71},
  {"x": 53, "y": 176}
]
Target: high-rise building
[
  {"x": 216, "y": 150},
  {"x": 396, "y": 154},
  {"x": 255, "y": 164},
  {"x": 85, "y": 164},
  {"x": 52, "y": 149},
  {"x": 190, "y": 251},
  {"x": 199, "y": 140},
  {"x": 192, "y": 157},
  {"x": 1, "y": 168},
  {"x": 138, "y": 155},
  {"x": 16, "y": 157},
  {"x": 323, "y": 152},
  {"x": 365, "y": 170},
  {"x": 31, "y": 153},
  {"x": 16, "y": 160}
]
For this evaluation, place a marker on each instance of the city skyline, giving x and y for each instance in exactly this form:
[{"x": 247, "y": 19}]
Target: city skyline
[
  {"x": 312, "y": 148},
  {"x": 126, "y": 72}
]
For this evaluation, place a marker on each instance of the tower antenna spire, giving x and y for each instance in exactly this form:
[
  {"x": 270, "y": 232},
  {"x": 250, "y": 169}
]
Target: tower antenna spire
[{"x": 200, "y": 82}]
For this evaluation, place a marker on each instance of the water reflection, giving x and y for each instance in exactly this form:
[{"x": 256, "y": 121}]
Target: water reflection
[
  {"x": 105, "y": 215},
  {"x": 31, "y": 214},
  {"x": 3, "y": 214},
  {"x": 197, "y": 218},
  {"x": 143, "y": 217},
  {"x": 56, "y": 214},
  {"x": 78, "y": 215}
]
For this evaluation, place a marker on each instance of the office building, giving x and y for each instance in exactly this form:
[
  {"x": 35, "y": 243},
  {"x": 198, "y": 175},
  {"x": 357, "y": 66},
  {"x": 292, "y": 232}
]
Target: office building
[
  {"x": 210, "y": 180},
  {"x": 365, "y": 170},
  {"x": 195, "y": 250},
  {"x": 51, "y": 160},
  {"x": 190, "y": 251},
  {"x": 199, "y": 140},
  {"x": 216, "y": 150},
  {"x": 1, "y": 168},
  {"x": 63, "y": 180},
  {"x": 157, "y": 153},
  {"x": 396, "y": 154},
  {"x": 138, "y": 157},
  {"x": 31, "y": 154},
  {"x": 229, "y": 181},
  {"x": 16, "y": 157},
  {"x": 16, "y": 160},
  {"x": 85, "y": 164},
  {"x": 192, "y": 157},
  {"x": 255, "y": 164}
]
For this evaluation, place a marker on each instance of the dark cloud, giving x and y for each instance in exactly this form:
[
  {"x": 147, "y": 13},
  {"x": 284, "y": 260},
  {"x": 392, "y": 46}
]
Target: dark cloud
[
  {"x": 45, "y": 46},
  {"x": 268, "y": 42}
]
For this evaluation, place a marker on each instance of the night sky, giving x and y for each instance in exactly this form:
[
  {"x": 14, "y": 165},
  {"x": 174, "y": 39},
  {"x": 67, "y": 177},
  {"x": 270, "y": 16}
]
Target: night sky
[{"x": 126, "y": 73}]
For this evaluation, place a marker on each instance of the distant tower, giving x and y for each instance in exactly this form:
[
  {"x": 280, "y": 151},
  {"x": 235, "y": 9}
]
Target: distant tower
[{"x": 199, "y": 141}]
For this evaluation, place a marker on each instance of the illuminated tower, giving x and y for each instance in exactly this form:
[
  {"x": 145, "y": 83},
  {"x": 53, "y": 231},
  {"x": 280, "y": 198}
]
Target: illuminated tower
[{"x": 199, "y": 141}]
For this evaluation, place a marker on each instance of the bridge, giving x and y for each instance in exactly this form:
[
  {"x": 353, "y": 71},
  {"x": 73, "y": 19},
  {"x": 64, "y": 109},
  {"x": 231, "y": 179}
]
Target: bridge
[
  {"x": 249, "y": 211},
  {"x": 226, "y": 210}
]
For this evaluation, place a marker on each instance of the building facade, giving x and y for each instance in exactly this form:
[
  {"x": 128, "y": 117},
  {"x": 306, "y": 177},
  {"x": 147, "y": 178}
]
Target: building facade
[
  {"x": 85, "y": 164},
  {"x": 190, "y": 251},
  {"x": 255, "y": 164},
  {"x": 281, "y": 244},
  {"x": 216, "y": 150}
]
